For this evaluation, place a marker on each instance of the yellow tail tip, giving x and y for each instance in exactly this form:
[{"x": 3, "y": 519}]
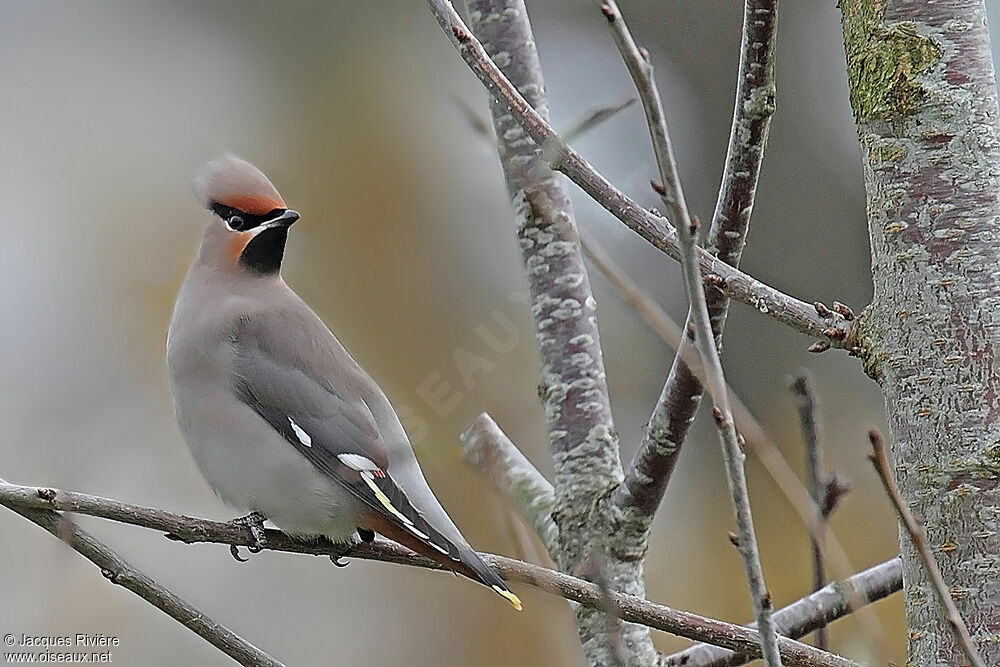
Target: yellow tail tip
[{"x": 514, "y": 601}]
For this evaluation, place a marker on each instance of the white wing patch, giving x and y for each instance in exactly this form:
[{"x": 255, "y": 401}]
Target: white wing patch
[
  {"x": 369, "y": 478},
  {"x": 420, "y": 534},
  {"x": 357, "y": 462},
  {"x": 300, "y": 434},
  {"x": 368, "y": 471},
  {"x": 441, "y": 549}
]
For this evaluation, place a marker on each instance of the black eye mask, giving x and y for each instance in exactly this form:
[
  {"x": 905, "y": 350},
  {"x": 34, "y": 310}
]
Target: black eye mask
[{"x": 241, "y": 222}]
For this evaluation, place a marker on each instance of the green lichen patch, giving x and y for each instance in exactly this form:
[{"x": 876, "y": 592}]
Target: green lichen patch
[
  {"x": 863, "y": 336},
  {"x": 883, "y": 61},
  {"x": 886, "y": 151}
]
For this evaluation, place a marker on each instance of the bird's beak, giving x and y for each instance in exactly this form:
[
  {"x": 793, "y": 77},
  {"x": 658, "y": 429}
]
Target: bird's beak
[{"x": 284, "y": 220}]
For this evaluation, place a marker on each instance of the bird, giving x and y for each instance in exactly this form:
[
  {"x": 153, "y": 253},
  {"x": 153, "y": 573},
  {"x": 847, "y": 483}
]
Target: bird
[{"x": 281, "y": 420}]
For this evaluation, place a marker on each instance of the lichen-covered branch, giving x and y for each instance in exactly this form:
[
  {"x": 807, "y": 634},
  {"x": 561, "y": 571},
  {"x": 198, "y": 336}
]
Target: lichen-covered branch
[
  {"x": 647, "y": 479},
  {"x": 38, "y": 505},
  {"x": 192, "y": 529},
  {"x": 489, "y": 449},
  {"x": 573, "y": 386},
  {"x": 923, "y": 90},
  {"x": 810, "y": 613},
  {"x": 704, "y": 339},
  {"x": 831, "y": 327}
]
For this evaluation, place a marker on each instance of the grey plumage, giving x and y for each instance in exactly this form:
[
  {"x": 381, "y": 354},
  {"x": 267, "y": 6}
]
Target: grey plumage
[{"x": 280, "y": 418}]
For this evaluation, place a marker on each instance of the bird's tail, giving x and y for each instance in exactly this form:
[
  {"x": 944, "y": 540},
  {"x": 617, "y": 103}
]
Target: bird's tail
[
  {"x": 487, "y": 576},
  {"x": 431, "y": 544}
]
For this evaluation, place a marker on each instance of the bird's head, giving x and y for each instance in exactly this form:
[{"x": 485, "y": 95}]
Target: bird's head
[{"x": 248, "y": 210}]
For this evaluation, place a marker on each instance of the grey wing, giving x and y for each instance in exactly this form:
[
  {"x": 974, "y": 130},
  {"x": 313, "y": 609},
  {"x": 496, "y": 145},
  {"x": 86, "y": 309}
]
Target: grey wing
[
  {"x": 320, "y": 421},
  {"x": 321, "y": 418}
]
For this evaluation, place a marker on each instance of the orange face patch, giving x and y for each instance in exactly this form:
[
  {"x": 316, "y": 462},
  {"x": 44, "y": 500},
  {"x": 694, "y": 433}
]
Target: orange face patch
[
  {"x": 253, "y": 204},
  {"x": 237, "y": 244}
]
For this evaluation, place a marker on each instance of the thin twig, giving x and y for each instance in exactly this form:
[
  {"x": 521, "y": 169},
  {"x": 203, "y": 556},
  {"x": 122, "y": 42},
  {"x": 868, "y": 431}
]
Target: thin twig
[
  {"x": 810, "y": 613},
  {"x": 119, "y": 571},
  {"x": 919, "y": 539},
  {"x": 641, "y": 70},
  {"x": 806, "y": 403},
  {"x": 832, "y": 328},
  {"x": 760, "y": 444},
  {"x": 631, "y": 608},
  {"x": 489, "y": 449},
  {"x": 595, "y": 117},
  {"x": 704, "y": 339},
  {"x": 646, "y": 481}
]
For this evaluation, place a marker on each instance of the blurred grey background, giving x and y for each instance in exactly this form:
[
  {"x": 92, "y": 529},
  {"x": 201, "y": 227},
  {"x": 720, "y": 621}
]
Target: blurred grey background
[{"x": 406, "y": 248}]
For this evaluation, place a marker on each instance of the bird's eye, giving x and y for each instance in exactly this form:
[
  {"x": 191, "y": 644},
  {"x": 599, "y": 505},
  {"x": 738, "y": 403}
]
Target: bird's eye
[{"x": 235, "y": 222}]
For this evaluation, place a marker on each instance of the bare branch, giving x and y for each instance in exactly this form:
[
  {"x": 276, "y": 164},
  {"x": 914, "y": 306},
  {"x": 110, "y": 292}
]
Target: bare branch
[
  {"x": 631, "y": 608},
  {"x": 919, "y": 539},
  {"x": 119, "y": 571},
  {"x": 647, "y": 480},
  {"x": 814, "y": 483},
  {"x": 641, "y": 70},
  {"x": 704, "y": 339},
  {"x": 761, "y": 445},
  {"x": 810, "y": 613},
  {"x": 489, "y": 449},
  {"x": 833, "y": 328}
]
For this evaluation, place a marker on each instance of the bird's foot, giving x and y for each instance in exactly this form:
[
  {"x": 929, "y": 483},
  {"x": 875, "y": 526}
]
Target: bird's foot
[
  {"x": 254, "y": 522},
  {"x": 365, "y": 535}
]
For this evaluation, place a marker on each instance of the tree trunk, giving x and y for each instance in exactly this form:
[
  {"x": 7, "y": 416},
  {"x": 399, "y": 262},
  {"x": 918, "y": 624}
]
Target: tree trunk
[
  {"x": 924, "y": 97},
  {"x": 573, "y": 387}
]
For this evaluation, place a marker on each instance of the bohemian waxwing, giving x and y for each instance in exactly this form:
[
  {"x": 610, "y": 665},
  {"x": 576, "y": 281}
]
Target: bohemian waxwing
[{"x": 280, "y": 418}]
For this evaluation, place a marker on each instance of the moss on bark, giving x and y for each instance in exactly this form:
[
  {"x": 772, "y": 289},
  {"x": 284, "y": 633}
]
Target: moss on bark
[{"x": 883, "y": 61}]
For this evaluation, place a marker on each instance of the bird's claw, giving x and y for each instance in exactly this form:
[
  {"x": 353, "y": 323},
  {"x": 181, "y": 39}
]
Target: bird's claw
[
  {"x": 254, "y": 522},
  {"x": 337, "y": 558}
]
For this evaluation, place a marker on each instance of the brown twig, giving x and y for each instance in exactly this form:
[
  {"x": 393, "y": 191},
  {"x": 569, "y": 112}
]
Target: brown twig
[
  {"x": 595, "y": 117},
  {"x": 806, "y": 403},
  {"x": 810, "y": 613},
  {"x": 672, "y": 193},
  {"x": 119, "y": 571},
  {"x": 631, "y": 608},
  {"x": 919, "y": 539},
  {"x": 832, "y": 328}
]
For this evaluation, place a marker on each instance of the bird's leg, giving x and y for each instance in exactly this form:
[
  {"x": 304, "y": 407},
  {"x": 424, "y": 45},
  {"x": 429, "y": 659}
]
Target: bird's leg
[
  {"x": 365, "y": 535},
  {"x": 254, "y": 522}
]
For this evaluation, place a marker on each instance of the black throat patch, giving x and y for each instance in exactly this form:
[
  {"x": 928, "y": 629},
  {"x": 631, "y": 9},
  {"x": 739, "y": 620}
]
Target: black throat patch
[{"x": 264, "y": 252}]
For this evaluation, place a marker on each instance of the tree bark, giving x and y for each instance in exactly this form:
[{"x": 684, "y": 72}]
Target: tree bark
[
  {"x": 924, "y": 97},
  {"x": 573, "y": 387}
]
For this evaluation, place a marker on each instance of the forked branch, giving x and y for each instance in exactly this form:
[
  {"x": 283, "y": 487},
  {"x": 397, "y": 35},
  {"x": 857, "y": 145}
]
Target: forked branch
[{"x": 832, "y": 328}]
